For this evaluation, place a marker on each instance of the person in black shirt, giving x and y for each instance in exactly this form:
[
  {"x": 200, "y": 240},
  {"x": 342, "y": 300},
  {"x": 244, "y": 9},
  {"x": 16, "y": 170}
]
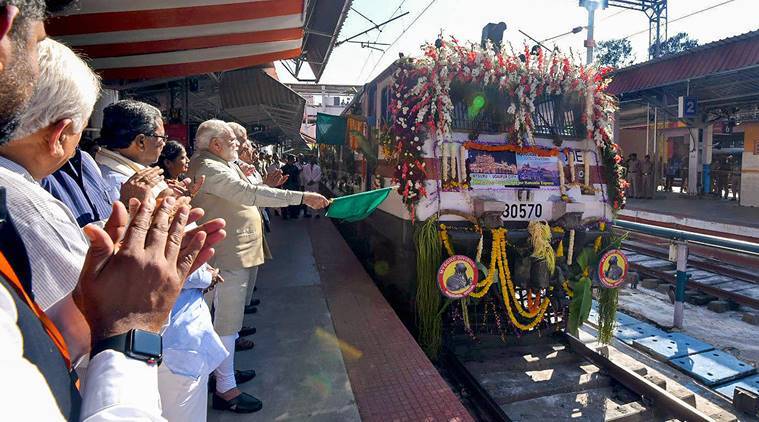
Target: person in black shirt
[{"x": 292, "y": 183}]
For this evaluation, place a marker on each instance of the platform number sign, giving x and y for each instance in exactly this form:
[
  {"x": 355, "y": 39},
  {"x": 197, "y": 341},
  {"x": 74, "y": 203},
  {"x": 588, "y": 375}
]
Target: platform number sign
[{"x": 687, "y": 107}]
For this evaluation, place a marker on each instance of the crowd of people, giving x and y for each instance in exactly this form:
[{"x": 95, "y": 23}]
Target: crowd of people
[
  {"x": 643, "y": 180},
  {"x": 641, "y": 177},
  {"x": 124, "y": 277}
]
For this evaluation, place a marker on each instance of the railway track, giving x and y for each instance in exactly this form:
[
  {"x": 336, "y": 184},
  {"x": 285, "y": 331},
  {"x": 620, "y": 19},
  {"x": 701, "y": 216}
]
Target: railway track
[
  {"x": 560, "y": 377},
  {"x": 710, "y": 276}
]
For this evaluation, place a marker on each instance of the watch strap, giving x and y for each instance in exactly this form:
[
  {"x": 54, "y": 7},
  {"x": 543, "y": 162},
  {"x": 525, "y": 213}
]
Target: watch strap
[
  {"x": 117, "y": 343},
  {"x": 122, "y": 343}
]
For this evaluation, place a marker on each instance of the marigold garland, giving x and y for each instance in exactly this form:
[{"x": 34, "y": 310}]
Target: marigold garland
[
  {"x": 567, "y": 289},
  {"x": 484, "y": 285},
  {"x": 499, "y": 262}
]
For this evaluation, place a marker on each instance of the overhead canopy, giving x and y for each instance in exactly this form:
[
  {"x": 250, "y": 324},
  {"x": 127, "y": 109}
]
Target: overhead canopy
[
  {"x": 709, "y": 60},
  {"x": 142, "y": 39},
  {"x": 324, "y": 20},
  {"x": 722, "y": 74},
  {"x": 254, "y": 97}
]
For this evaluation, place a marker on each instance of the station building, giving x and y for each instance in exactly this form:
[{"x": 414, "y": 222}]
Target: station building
[{"x": 696, "y": 114}]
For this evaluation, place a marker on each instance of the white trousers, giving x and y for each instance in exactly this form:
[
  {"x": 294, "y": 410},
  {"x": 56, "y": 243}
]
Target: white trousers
[
  {"x": 225, "y": 373},
  {"x": 183, "y": 399},
  {"x": 229, "y": 299},
  {"x": 251, "y": 285}
]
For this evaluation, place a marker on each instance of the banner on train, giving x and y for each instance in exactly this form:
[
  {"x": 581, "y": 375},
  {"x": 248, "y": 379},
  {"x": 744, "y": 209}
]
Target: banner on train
[{"x": 508, "y": 170}]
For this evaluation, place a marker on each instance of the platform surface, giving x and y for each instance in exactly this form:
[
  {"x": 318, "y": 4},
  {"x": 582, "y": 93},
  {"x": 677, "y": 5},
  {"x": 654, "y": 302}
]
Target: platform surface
[
  {"x": 329, "y": 348},
  {"x": 707, "y": 215}
]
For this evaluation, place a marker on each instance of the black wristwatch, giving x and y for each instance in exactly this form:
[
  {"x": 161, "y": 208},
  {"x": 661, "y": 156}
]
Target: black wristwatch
[{"x": 136, "y": 344}]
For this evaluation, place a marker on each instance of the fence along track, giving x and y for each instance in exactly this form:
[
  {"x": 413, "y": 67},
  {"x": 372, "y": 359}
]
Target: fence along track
[{"x": 741, "y": 287}]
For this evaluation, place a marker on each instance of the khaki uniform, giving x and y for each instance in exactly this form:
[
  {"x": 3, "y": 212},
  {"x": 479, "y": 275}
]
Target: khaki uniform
[
  {"x": 634, "y": 178},
  {"x": 647, "y": 177},
  {"x": 227, "y": 193}
]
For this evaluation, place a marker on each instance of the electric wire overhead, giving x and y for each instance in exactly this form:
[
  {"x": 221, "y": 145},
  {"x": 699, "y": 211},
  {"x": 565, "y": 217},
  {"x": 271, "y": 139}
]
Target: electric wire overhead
[
  {"x": 706, "y": 9},
  {"x": 399, "y": 36},
  {"x": 376, "y": 39}
]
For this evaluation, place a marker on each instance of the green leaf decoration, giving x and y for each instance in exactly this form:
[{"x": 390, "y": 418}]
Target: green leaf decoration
[
  {"x": 579, "y": 308},
  {"x": 585, "y": 258},
  {"x": 607, "y": 314}
]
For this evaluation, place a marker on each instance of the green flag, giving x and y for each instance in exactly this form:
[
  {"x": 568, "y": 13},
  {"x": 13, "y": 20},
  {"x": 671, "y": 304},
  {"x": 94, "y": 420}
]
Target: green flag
[
  {"x": 357, "y": 207},
  {"x": 330, "y": 129}
]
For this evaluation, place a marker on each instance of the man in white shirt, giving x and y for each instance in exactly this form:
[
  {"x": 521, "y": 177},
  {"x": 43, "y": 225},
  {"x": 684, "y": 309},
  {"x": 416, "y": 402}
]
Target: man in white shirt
[
  {"x": 48, "y": 135},
  {"x": 121, "y": 387},
  {"x": 132, "y": 138},
  {"x": 311, "y": 175}
]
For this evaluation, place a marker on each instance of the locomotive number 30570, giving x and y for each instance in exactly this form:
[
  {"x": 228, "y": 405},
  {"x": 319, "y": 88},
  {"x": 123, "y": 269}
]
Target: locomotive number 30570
[{"x": 522, "y": 212}]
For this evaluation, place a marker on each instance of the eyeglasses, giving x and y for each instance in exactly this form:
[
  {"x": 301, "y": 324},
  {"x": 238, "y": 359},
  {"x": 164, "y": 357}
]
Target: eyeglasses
[{"x": 163, "y": 137}]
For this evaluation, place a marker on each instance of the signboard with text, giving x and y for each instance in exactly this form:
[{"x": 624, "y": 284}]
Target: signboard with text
[{"x": 505, "y": 169}]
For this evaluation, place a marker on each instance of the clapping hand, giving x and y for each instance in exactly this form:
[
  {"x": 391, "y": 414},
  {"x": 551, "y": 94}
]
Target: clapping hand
[
  {"x": 247, "y": 169},
  {"x": 140, "y": 185},
  {"x": 186, "y": 187},
  {"x": 134, "y": 286},
  {"x": 275, "y": 179}
]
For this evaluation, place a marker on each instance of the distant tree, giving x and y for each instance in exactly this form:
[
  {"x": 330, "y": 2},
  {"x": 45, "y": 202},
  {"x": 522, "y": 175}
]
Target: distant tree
[
  {"x": 675, "y": 44},
  {"x": 615, "y": 53}
]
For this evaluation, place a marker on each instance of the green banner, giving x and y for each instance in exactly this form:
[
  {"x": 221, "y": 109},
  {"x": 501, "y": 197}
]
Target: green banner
[{"x": 330, "y": 129}]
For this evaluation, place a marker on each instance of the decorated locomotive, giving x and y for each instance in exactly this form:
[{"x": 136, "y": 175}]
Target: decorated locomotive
[{"x": 507, "y": 177}]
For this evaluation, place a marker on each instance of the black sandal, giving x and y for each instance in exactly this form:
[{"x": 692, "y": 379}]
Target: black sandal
[{"x": 244, "y": 403}]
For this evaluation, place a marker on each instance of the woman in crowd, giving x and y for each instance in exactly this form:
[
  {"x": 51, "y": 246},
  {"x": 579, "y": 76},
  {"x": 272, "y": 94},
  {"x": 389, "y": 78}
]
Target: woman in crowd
[{"x": 173, "y": 160}]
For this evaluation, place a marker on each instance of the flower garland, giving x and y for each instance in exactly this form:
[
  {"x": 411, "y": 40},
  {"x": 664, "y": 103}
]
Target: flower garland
[
  {"x": 446, "y": 240},
  {"x": 484, "y": 286},
  {"x": 534, "y": 150},
  {"x": 507, "y": 282},
  {"x": 599, "y": 239},
  {"x": 421, "y": 104},
  {"x": 499, "y": 262}
]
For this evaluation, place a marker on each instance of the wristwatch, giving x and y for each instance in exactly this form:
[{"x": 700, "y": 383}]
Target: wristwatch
[{"x": 136, "y": 344}]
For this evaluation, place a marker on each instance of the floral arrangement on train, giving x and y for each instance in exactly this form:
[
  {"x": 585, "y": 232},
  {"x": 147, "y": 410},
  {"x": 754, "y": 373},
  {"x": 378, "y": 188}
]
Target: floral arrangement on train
[{"x": 421, "y": 104}]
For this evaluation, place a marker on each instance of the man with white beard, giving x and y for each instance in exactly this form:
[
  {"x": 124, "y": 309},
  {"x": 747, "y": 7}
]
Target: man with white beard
[{"x": 227, "y": 193}]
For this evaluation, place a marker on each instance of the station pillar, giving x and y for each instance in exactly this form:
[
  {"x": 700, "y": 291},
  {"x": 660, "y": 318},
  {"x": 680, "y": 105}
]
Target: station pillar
[
  {"x": 681, "y": 280},
  {"x": 707, "y": 171},
  {"x": 693, "y": 161}
]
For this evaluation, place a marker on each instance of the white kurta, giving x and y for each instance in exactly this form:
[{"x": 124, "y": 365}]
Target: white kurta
[{"x": 311, "y": 173}]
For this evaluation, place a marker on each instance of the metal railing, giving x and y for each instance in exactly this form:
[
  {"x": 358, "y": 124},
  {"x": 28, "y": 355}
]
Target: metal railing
[
  {"x": 681, "y": 239},
  {"x": 681, "y": 235}
]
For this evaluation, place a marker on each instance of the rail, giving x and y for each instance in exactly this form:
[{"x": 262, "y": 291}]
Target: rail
[
  {"x": 681, "y": 239},
  {"x": 665, "y": 401},
  {"x": 680, "y": 235}
]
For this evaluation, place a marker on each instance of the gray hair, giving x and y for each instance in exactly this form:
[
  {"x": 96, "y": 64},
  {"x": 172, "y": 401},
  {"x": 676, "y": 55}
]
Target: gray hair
[
  {"x": 67, "y": 89},
  {"x": 208, "y": 130},
  {"x": 239, "y": 130}
]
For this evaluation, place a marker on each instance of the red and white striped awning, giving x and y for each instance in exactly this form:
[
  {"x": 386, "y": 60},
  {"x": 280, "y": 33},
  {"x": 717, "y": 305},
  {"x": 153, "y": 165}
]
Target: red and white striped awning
[{"x": 142, "y": 39}]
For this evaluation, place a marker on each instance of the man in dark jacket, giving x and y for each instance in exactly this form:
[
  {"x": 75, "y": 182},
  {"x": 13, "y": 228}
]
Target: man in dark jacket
[{"x": 292, "y": 172}]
